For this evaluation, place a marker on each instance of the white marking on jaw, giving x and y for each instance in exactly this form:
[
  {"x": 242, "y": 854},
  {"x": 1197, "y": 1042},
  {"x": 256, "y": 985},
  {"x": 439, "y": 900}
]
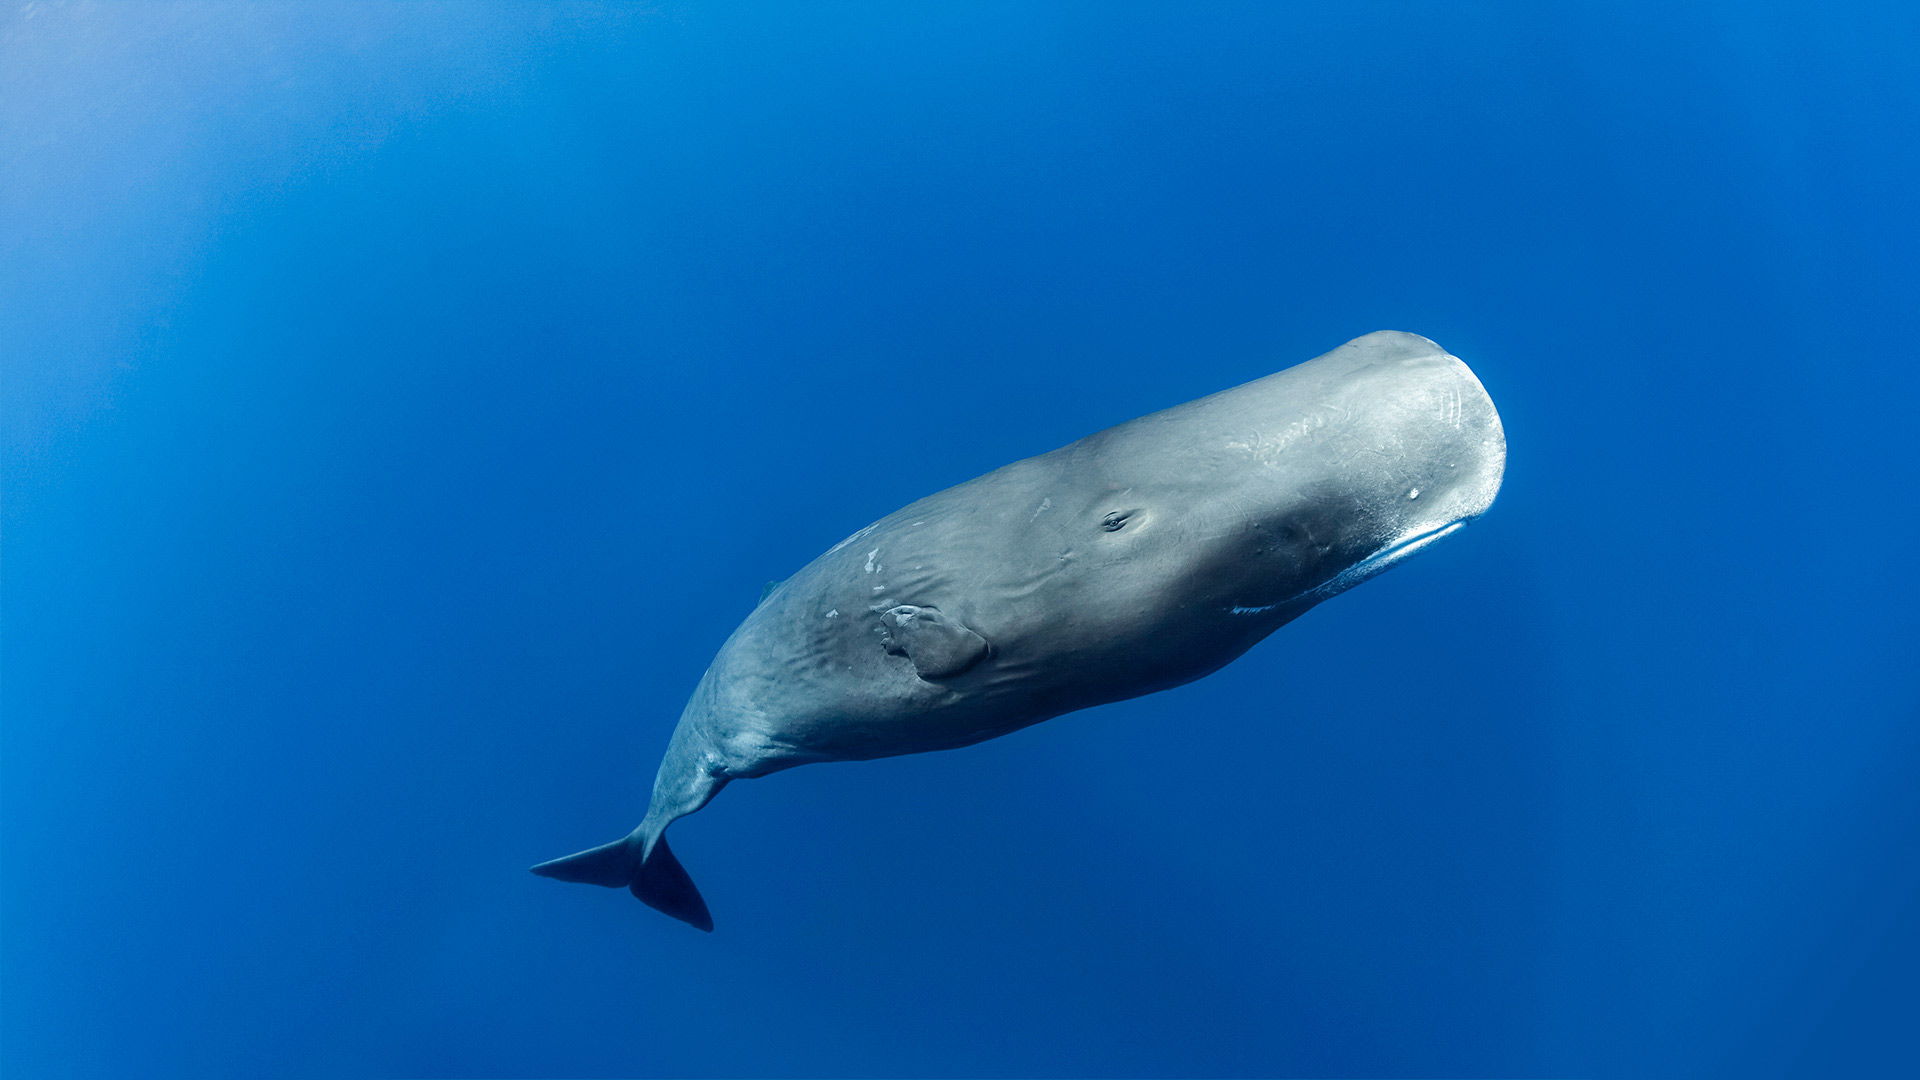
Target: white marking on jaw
[
  {"x": 1045, "y": 505},
  {"x": 1253, "y": 610},
  {"x": 871, "y": 555},
  {"x": 834, "y": 614}
]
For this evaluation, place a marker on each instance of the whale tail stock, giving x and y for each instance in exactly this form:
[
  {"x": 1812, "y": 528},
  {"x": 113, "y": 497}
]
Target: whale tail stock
[
  {"x": 656, "y": 877},
  {"x": 690, "y": 776}
]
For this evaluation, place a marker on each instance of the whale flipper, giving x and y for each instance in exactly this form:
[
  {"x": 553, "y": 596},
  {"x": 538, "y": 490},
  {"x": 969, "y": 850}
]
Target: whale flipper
[
  {"x": 660, "y": 882},
  {"x": 938, "y": 646}
]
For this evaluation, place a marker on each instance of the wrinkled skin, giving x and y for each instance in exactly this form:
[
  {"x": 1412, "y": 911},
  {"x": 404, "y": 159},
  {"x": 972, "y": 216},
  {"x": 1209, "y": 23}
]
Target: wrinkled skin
[{"x": 1134, "y": 560}]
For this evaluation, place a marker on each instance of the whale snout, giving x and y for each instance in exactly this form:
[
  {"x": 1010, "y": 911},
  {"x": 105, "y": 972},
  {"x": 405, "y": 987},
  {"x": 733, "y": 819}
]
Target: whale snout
[
  {"x": 1452, "y": 456},
  {"x": 1470, "y": 442},
  {"x": 1423, "y": 454}
]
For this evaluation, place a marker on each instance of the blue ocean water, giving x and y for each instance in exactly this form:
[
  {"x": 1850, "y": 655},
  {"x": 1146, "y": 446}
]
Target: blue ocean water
[{"x": 401, "y": 404}]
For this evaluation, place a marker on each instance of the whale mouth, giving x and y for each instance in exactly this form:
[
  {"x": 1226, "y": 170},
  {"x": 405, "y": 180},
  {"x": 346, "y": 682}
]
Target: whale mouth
[
  {"x": 1378, "y": 562},
  {"x": 1401, "y": 549}
]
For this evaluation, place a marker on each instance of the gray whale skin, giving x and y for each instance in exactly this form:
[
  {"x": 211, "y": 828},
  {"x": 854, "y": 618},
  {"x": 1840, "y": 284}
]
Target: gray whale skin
[{"x": 1137, "y": 559}]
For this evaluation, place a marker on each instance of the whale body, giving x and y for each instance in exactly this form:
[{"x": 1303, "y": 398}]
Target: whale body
[{"x": 1134, "y": 560}]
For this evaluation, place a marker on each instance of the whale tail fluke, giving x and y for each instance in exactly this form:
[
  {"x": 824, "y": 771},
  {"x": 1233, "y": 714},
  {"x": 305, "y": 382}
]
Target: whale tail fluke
[
  {"x": 659, "y": 881},
  {"x": 663, "y": 885},
  {"x": 612, "y": 865}
]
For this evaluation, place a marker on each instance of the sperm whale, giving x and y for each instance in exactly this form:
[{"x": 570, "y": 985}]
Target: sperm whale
[{"x": 1134, "y": 560}]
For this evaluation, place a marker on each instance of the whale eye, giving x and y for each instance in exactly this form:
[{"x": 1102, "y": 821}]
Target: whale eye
[
  {"x": 1113, "y": 522},
  {"x": 1288, "y": 532}
]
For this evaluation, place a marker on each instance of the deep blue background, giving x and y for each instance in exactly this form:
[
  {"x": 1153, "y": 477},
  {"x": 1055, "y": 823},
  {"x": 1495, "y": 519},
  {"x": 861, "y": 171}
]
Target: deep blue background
[{"x": 401, "y": 405}]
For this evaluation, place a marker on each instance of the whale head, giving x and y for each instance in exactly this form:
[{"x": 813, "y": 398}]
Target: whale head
[
  {"x": 1416, "y": 453},
  {"x": 1259, "y": 502}
]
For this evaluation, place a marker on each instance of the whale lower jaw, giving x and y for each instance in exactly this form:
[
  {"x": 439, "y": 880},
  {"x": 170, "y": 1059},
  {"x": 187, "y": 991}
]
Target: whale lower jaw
[{"x": 1380, "y": 561}]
